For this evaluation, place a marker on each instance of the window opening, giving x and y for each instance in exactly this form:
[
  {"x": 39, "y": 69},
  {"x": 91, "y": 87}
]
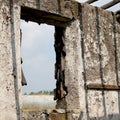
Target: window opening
[{"x": 38, "y": 58}]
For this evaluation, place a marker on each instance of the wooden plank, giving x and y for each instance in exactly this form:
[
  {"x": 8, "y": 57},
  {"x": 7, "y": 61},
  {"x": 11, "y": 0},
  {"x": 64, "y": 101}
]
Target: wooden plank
[
  {"x": 91, "y": 1},
  {"x": 38, "y": 16},
  {"x": 102, "y": 87},
  {"x": 110, "y": 4}
]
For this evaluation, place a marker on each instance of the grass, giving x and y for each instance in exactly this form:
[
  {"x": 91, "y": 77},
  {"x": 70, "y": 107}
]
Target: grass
[{"x": 36, "y": 108}]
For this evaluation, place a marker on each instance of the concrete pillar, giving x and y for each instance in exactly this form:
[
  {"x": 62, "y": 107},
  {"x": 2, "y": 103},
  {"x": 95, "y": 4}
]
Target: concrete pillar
[
  {"x": 74, "y": 68},
  {"x": 10, "y": 67}
]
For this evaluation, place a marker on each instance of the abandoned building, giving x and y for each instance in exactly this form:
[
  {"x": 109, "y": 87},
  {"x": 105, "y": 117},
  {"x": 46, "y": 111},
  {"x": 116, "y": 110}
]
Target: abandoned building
[{"x": 87, "y": 68}]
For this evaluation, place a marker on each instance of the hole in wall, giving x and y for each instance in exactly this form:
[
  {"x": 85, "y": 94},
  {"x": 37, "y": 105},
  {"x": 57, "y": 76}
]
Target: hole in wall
[{"x": 38, "y": 56}]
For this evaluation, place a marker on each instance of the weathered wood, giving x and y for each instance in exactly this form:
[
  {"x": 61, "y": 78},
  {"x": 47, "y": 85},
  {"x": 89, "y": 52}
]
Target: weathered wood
[
  {"x": 110, "y": 4},
  {"x": 102, "y": 87},
  {"x": 29, "y": 14},
  {"x": 91, "y": 1}
]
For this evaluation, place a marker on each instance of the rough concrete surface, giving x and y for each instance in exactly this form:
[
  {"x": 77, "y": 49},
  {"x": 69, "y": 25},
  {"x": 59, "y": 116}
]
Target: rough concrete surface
[{"x": 89, "y": 53}]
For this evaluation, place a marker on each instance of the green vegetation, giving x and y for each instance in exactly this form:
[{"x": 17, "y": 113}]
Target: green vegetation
[{"x": 41, "y": 92}]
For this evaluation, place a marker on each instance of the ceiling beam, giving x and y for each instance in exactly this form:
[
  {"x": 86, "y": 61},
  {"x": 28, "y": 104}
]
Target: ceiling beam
[
  {"x": 110, "y": 4},
  {"x": 91, "y": 1}
]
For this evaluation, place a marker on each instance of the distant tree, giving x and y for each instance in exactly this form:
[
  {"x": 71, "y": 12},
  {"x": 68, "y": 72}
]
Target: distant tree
[
  {"x": 25, "y": 93},
  {"x": 42, "y": 92},
  {"x": 51, "y": 92},
  {"x": 32, "y": 93}
]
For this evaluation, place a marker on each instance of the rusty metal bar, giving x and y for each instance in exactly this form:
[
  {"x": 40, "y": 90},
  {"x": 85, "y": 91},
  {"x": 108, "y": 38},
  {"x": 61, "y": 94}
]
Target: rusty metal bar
[
  {"x": 117, "y": 11},
  {"x": 103, "y": 87},
  {"x": 91, "y": 1},
  {"x": 118, "y": 15},
  {"x": 110, "y": 4}
]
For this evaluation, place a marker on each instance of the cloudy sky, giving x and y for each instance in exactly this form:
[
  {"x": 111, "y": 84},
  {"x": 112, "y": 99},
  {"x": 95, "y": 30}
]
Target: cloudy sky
[
  {"x": 38, "y": 56},
  {"x": 38, "y": 53}
]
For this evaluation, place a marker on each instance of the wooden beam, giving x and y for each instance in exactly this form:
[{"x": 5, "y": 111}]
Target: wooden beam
[
  {"x": 103, "y": 87},
  {"x": 91, "y": 1},
  {"x": 29, "y": 14},
  {"x": 110, "y": 4}
]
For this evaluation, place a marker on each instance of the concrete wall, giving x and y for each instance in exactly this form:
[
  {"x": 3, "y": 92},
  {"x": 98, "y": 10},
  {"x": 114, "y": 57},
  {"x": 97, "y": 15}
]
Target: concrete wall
[
  {"x": 100, "y": 54},
  {"x": 91, "y": 61}
]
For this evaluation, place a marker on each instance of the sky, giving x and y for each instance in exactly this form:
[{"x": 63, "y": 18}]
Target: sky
[{"x": 38, "y": 53}]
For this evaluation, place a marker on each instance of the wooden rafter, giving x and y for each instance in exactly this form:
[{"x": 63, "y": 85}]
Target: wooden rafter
[
  {"x": 110, "y": 4},
  {"x": 107, "y": 5},
  {"x": 91, "y": 1}
]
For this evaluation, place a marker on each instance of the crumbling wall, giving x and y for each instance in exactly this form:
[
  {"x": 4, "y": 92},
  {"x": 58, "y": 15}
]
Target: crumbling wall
[
  {"x": 87, "y": 60},
  {"x": 99, "y": 42}
]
